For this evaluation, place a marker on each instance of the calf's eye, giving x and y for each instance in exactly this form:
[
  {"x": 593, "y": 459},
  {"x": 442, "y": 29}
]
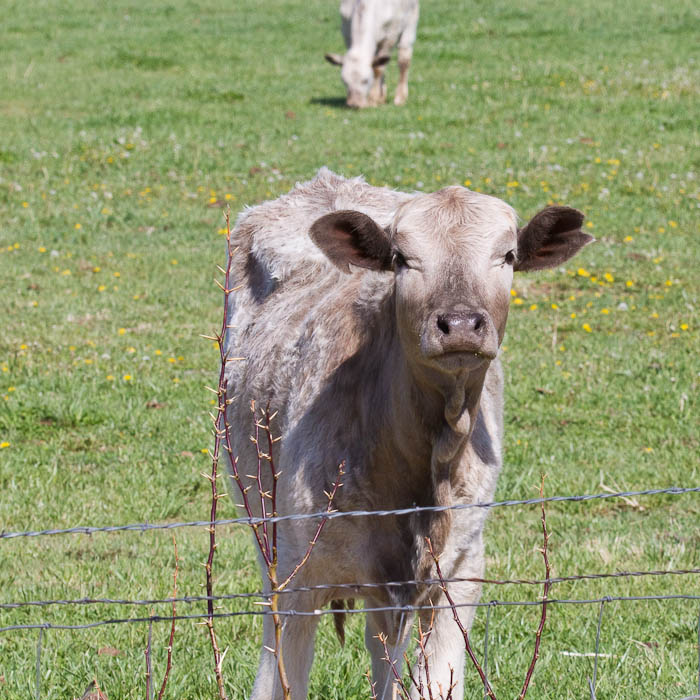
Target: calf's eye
[
  {"x": 509, "y": 258},
  {"x": 399, "y": 261}
]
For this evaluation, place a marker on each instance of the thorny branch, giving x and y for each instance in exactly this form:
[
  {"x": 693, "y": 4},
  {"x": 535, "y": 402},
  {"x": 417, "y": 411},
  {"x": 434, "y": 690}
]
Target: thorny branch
[
  {"x": 545, "y": 594},
  {"x": 219, "y": 430},
  {"x": 399, "y": 684},
  {"x": 266, "y": 540},
  {"x": 147, "y": 653},
  {"x": 462, "y": 629}
]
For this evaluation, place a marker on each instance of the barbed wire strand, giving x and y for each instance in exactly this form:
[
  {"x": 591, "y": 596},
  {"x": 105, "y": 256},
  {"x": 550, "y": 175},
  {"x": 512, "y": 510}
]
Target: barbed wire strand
[
  {"x": 359, "y": 611},
  {"x": 145, "y": 527},
  {"x": 344, "y": 586}
]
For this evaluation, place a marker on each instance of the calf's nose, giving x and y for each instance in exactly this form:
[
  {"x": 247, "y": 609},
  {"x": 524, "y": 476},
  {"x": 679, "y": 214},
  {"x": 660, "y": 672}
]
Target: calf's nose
[
  {"x": 462, "y": 323},
  {"x": 465, "y": 331}
]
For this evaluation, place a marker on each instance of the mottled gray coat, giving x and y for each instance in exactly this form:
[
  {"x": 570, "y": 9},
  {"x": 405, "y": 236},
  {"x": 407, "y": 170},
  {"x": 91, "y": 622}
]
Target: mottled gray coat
[{"x": 370, "y": 320}]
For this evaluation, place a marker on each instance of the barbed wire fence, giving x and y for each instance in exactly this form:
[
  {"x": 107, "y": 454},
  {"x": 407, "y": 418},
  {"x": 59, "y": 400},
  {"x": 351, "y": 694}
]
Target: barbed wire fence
[
  {"x": 44, "y": 626},
  {"x": 266, "y": 541}
]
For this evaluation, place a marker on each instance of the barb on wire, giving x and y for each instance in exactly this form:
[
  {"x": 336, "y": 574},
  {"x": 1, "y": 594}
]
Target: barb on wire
[{"x": 145, "y": 527}]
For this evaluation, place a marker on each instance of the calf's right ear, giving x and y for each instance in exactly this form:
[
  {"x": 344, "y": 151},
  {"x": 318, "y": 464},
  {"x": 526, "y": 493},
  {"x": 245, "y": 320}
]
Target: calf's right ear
[
  {"x": 551, "y": 237},
  {"x": 349, "y": 237},
  {"x": 334, "y": 59}
]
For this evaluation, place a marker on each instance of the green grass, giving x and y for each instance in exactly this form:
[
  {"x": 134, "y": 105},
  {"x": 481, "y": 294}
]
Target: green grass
[{"x": 125, "y": 130}]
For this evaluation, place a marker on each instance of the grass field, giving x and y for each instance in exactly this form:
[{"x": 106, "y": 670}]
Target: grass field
[{"x": 126, "y": 129}]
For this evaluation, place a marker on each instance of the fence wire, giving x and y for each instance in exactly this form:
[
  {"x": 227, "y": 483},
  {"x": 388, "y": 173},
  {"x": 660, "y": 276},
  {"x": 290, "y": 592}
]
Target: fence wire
[
  {"x": 353, "y": 611},
  {"x": 334, "y": 515},
  {"x": 343, "y": 586},
  {"x": 44, "y": 626}
]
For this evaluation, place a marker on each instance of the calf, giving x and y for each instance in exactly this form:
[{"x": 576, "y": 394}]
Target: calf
[
  {"x": 371, "y": 29},
  {"x": 371, "y": 321}
]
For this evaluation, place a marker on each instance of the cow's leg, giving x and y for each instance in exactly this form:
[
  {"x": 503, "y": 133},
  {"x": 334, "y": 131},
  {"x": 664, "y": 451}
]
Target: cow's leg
[
  {"x": 396, "y": 628},
  {"x": 405, "y": 55},
  {"x": 377, "y": 93},
  {"x": 297, "y": 653}
]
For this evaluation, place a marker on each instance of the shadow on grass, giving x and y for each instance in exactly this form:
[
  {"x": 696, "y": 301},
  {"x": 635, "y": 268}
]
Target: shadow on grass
[{"x": 337, "y": 102}]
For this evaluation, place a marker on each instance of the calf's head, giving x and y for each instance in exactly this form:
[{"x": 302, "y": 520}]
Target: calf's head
[
  {"x": 453, "y": 254},
  {"x": 357, "y": 73}
]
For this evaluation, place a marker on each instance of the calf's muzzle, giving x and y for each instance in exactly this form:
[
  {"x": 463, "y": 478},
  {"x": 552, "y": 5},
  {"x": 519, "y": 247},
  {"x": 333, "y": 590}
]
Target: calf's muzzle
[{"x": 468, "y": 331}]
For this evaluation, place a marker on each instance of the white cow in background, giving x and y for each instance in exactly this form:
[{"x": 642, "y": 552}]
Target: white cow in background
[{"x": 371, "y": 29}]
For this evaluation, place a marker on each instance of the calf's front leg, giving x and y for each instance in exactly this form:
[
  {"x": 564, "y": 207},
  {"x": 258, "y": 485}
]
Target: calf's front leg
[
  {"x": 297, "y": 646},
  {"x": 396, "y": 628},
  {"x": 445, "y": 651}
]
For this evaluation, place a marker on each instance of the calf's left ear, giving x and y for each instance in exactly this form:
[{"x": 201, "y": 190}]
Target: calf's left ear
[
  {"x": 550, "y": 238},
  {"x": 350, "y": 237}
]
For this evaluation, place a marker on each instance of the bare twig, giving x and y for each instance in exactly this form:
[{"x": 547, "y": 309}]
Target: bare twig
[
  {"x": 372, "y": 686},
  {"x": 545, "y": 594},
  {"x": 331, "y": 497},
  {"x": 219, "y": 430},
  {"x": 401, "y": 688},
  {"x": 423, "y": 656},
  {"x": 462, "y": 629},
  {"x": 169, "y": 663},
  {"x": 149, "y": 670}
]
